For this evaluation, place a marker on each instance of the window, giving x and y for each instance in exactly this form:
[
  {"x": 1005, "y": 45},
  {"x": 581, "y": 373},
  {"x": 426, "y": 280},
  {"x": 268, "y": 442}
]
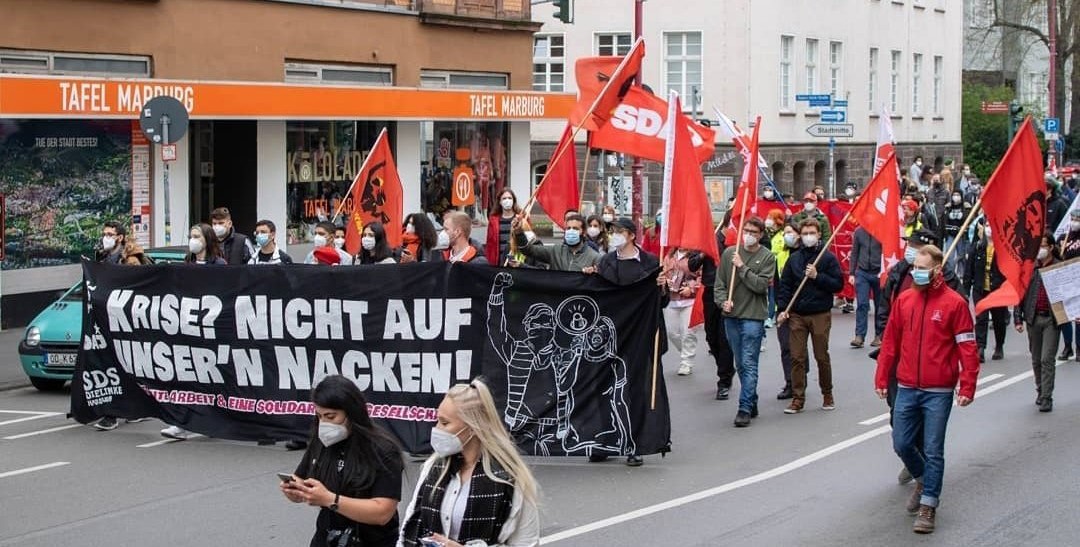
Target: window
[
  {"x": 872, "y": 79},
  {"x": 613, "y": 43},
  {"x": 76, "y": 64},
  {"x": 811, "y": 65},
  {"x": 338, "y": 74},
  {"x": 439, "y": 79},
  {"x": 548, "y": 62},
  {"x": 938, "y": 69},
  {"x": 836, "y": 61},
  {"x": 916, "y": 82},
  {"x": 894, "y": 82},
  {"x": 787, "y": 43},
  {"x": 682, "y": 63}
]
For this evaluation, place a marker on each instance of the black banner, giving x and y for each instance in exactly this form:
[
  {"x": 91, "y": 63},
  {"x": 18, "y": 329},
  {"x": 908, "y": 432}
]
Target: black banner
[{"x": 232, "y": 352}]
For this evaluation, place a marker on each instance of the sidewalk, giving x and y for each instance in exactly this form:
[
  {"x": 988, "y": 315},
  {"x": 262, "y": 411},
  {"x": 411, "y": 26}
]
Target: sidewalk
[{"x": 11, "y": 372}]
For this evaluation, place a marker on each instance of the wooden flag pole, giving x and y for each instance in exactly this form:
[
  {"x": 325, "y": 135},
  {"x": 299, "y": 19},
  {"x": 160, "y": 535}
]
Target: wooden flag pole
[
  {"x": 357, "y": 179},
  {"x": 738, "y": 241},
  {"x": 817, "y": 259}
]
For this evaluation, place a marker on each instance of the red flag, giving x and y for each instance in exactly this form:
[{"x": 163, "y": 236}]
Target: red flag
[
  {"x": 687, "y": 214},
  {"x": 602, "y": 82},
  {"x": 638, "y": 127},
  {"x": 1016, "y": 211},
  {"x": 559, "y": 192},
  {"x": 376, "y": 196},
  {"x": 747, "y": 191},
  {"x": 697, "y": 313},
  {"x": 878, "y": 211}
]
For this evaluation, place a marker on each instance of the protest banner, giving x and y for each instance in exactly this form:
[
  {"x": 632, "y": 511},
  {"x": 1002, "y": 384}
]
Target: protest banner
[
  {"x": 1062, "y": 283},
  {"x": 233, "y": 352}
]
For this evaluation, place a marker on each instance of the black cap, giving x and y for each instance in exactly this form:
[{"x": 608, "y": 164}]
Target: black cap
[
  {"x": 624, "y": 224},
  {"x": 924, "y": 237}
]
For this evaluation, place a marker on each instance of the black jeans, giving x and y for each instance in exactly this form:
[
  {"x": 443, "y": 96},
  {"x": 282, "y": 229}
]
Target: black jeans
[
  {"x": 716, "y": 339},
  {"x": 999, "y": 317}
]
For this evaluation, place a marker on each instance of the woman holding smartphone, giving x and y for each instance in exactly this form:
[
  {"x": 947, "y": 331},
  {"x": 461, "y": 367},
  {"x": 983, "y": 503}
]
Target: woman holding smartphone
[
  {"x": 351, "y": 470},
  {"x": 475, "y": 490}
]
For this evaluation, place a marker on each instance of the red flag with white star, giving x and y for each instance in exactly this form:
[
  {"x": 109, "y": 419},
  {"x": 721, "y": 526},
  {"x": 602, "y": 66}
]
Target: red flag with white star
[{"x": 878, "y": 211}]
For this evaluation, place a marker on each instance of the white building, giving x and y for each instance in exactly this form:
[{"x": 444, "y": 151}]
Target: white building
[{"x": 751, "y": 58}]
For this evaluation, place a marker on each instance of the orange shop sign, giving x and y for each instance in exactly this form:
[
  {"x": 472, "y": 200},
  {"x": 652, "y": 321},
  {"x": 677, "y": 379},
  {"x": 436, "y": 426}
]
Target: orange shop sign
[{"x": 60, "y": 97}]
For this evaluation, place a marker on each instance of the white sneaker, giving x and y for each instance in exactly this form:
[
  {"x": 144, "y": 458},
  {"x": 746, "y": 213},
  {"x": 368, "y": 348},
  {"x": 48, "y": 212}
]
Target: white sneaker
[
  {"x": 177, "y": 433},
  {"x": 685, "y": 370}
]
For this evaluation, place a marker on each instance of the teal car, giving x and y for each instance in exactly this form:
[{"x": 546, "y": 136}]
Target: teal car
[{"x": 50, "y": 343}]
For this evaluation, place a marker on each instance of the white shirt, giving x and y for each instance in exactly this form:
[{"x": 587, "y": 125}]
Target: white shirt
[{"x": 522, "y": 527}]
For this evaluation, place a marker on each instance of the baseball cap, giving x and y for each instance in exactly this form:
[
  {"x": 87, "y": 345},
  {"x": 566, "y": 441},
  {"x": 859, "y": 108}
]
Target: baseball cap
[
  {"x": 810, "y": 196},
  {"x": 923, "y": 237}
]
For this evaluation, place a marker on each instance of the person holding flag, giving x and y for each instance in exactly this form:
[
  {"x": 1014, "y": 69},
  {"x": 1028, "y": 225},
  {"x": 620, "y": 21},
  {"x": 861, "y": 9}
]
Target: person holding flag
[{"x": 811, "y": 211}]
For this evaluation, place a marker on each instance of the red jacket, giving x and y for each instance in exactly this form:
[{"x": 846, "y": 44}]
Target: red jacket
[
  {"x": 930, "y": 341},
  {"x": 491, "y": 248}
]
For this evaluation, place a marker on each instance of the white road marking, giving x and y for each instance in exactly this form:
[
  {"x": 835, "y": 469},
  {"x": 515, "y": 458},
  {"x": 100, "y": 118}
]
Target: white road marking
[
  {"x": 753, "y": 479},
  {"x": 42, "y": 432},
  {"x": 157, "y": 443},
  {"x": 32, "y": 469},
  {"x": 885, "y": 416},
  {"x": 25, "y": 412},
  {"x": 38, "y": 416}
]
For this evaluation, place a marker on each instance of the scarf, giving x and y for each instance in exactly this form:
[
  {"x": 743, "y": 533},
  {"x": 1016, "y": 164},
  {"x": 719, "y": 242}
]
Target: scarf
[{"x": 486, "y": 511}]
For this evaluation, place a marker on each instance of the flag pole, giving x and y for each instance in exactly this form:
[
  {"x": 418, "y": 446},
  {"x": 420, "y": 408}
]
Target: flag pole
[
  {"x": 527, "y": 209},
  {"x": 963, "y": 227},
  {"x": 357, "y": 178},
  {"x": 821, "y": 254},
  {"x": 656, "y": 342},
  {"x": 584, "y": 173},
  {"x": 738, "y": 241}
]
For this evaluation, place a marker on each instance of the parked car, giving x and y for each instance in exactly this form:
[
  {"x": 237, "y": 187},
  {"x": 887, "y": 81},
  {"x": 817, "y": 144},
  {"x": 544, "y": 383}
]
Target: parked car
[{"x": 51, "y": 341}]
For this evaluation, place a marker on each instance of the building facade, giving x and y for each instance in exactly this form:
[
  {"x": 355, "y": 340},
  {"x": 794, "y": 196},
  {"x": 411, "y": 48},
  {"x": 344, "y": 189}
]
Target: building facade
[
  {"x": 753, "y": 58},
  {"x": 285, "y": 99}
]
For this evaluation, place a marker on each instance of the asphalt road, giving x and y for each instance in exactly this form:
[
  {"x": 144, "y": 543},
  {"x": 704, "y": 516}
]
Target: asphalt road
[{"x": 818, "y": 478}]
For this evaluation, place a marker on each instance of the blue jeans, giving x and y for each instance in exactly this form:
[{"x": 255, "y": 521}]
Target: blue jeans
[
  {"x": 915, "y": 408},
  {"x": 867, "y": 286},
  {"x": 744, "y": 336}
]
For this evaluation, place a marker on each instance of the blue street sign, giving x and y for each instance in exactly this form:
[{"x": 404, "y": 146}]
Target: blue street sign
[
  {"x": 1051, "y": 125},
  {"x": 840, "y": 103},
  {"x": 815, "y": 98},
  {"x": 825, "y": 104},
  {"x": 1059, "y": 145},
  {"x": 833, "y": 116}
]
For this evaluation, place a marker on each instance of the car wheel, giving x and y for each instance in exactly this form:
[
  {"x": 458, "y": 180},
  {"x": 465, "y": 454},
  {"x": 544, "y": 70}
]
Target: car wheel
[{"x": 47, "y": 384}]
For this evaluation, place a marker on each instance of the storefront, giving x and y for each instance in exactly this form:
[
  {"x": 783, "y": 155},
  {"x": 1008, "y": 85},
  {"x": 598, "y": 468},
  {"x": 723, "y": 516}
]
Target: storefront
[{"x": 71, "y": 157}]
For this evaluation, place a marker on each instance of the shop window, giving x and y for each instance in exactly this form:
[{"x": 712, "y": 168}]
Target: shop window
[
  {"x": 338, "y": 74},
  {"x": 322, "y": 159},
  {"x": 439, "y": 79},
  {"x": 458, "y": 151}
]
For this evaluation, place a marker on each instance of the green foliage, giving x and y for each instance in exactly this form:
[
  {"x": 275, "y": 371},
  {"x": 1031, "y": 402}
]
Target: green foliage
[{"x": 985, "y": 136}]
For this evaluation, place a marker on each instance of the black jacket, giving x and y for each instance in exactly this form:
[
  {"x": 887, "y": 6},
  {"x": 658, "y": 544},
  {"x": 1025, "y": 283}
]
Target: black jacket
[
  {"x": 891, "y": 290},
  {"x": 817, "y": 295},
  {"x": 1056, "y": 209},
  {"x": 1026, "y": 310},
  {"x": 708, "y": 265},
  {"x": 974, "y": 277},
  {"x": 236, "y": 248},
  {"x": 865, "y": 252},
  {"x": 626, "y": 272}
]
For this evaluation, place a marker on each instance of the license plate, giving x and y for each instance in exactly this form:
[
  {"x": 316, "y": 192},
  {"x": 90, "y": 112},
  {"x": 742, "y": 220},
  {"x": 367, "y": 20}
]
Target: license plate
[{"x": 65, "y": 359}]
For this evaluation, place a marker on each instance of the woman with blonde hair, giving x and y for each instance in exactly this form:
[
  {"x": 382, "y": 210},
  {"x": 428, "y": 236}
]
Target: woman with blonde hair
[{"x": 475, "y": 490}]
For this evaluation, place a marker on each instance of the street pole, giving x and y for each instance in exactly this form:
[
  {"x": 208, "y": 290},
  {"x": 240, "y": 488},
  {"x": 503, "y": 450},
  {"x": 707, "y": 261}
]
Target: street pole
[
  {"x": 832, "y": 168},
  {"x": 1051, "y": 20},
  {"x": 638, "y": 167}
]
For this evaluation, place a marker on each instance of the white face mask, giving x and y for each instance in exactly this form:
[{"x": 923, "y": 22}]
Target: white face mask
[
  {"x": 988, "y": 231},
  {"x": 957, "y": 199},
  {"x": 791, "y": 240},
  {"x": 108, "y": 243},
  {"x": 319, "y": 241},
  {"x": 443, "y": 240},
  {"x": 618, "y": 241},
  {"x": 367, "y": 242},
  {"x": 331, "y": 434},
  {"x": 195, "y": 246},
  {"x": 220, "y": 230},
  {"x": 593, "y": 231},
  {"x": 770, "y": 223},
  {"x": 410, "y": 229},
  {"x": 749, "y": 240},
  {"x": 1043, "y": 253},
  {"x": 809, "y": 240},
  {"x": 507, "y": 204},
  {"x": 339, "y": 242},
  {"x": 849, "y": 192},
  {"x": 445, "y": 443},
  {"x": 810, "y": 206},
  {"x": 1075, "y": 225},
  {"x": 608, "y": 218},
  {"x": 769, "y": 194}
]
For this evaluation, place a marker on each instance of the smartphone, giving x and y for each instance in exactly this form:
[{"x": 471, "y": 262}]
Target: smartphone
[
  {"x": 285, "y": 477},
  {"x": 429, "y": 542}
]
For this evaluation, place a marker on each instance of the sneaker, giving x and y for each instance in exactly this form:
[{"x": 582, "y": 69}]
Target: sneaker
[
  {"x": 295, "y": 445},
  {"x": 634, "y": 460},
  {"x": 795, "y": 407},
  {"x": 178, "y": 433},
  {"x": 685, "y": 370},
  {"x": 108, "y": 423},
  {"x": 753, "y": 411},
  {"x": 762, "y": 347},
  {"x": 916, "y": 495},
  {"x": 784, "y": 394},
  {"x": 1066, "y": 354},
  {"x": 857, "y": 342},
  {"x": 847, "y": 308},
  {"x": 742, "y": 419},
  {"x": 135, "y": 420},
  {"x": 1047, "y": 404},
  {"x": 876, "y": 343},
  {"x": 924, "y": 521},
  {"x": 998, "y": 355},
  {"x": 828, "y": 403},
  {"x": 770, "y": 323},
  {"x": 723, "y": 393},
  {"x": 904, "y": 477}
]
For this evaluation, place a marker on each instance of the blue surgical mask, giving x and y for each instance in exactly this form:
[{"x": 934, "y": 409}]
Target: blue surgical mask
[
  {"x": 921, "y": 277},
  {"x": 572, "y": 237},
  {"x": 909, "y": 254},
  {"x": 262, "y": 239}
]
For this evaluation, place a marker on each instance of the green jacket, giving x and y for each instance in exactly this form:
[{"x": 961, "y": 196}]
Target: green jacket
[
  {"x": 751, "y": 295},
  {"x": 822, "y": 220},
  {"x": 559, "y": 256}
]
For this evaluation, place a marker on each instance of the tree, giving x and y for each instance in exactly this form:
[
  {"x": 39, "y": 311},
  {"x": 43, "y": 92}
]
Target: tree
[{"x": 985, "y": 136}]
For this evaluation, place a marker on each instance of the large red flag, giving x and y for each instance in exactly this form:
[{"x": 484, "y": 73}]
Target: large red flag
[
  {"x": 878, "y": 212},
  {"x": 559, "y": 192},
  {"x": 1016, "y": 211},
  {"x": 376, "y": 196},
  {"x": 638, "y": 126},
  {"x": 747, "y": 191},
  {"x": 686, "y": 210},
  {"x": 602, "y": 82}
]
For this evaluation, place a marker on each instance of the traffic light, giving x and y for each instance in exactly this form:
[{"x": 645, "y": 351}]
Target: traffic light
[
  {"x": 1016, "y": 117},
  {"x": 564, "y": 10}
]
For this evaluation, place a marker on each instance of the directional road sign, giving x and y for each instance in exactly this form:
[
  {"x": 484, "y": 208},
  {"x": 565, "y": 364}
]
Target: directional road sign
[
  {"x": 1051, "y": 125},
  {"x": 833, "y": 116},
  {"x": 814, "y": 97},
  {"x": 831, "y": 130},
  {"x": 840, "y": 103}
]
